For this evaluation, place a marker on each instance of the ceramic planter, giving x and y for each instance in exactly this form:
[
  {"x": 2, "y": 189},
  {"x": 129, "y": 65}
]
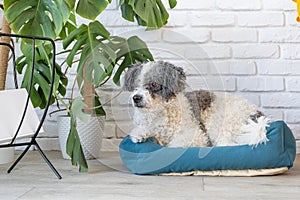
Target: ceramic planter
[{"x": 90, "y": 135}]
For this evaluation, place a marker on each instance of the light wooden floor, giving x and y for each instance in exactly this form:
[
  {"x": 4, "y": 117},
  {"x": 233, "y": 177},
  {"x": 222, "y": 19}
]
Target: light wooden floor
[{"x": 32, "y": 179}]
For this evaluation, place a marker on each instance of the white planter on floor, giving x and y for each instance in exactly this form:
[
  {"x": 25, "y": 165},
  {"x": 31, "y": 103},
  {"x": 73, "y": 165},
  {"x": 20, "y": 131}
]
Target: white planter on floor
[
  {"x": 7, "y": 155},
  {"x": 90, "y": 135}
]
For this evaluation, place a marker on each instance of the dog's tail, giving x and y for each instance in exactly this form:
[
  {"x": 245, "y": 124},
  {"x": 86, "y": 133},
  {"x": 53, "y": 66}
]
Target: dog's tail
[{"x": 254, "y": 132}]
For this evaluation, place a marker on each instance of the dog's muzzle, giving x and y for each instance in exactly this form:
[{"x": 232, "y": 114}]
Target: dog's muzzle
[{"x": 138, "y": 101}]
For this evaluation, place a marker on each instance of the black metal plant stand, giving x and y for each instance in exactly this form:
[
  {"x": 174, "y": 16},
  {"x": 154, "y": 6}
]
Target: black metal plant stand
[{"x": 33, "y": 141}]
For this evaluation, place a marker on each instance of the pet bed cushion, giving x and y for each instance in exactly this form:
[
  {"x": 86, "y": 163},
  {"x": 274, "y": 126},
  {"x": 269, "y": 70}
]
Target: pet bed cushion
[{"x": 276, "y": 156}]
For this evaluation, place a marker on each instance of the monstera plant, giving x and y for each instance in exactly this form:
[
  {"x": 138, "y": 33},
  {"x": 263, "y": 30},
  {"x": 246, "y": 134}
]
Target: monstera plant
[{"x": 101, "y": 55}]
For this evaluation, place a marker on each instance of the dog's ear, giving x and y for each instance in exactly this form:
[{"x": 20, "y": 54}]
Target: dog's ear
[
  {"x": 131, "y": 77},
  {"x": 174, "y": 80}
]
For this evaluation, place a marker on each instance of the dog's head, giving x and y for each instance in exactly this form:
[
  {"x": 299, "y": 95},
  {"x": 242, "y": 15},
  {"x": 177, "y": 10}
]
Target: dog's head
[{"x": 153, "y": 82}]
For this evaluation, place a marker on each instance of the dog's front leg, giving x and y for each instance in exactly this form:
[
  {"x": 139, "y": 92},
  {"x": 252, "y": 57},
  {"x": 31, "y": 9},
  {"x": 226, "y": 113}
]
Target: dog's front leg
[{"x": 139, "y": 134}]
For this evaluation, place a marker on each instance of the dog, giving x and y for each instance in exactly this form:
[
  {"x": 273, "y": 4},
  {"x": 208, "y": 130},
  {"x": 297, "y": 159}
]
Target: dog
[{"x": 164, "y": 110}]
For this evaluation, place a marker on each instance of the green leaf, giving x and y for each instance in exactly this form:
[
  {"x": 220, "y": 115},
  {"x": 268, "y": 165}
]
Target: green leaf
[
  {"x": 74, "y": 148},
  {"x": 42, "y": 75},
  {"x": 172, "y": 3},
  {"x": 150, "y": 13},
  {"x": 37, "y": 17},
  {"x": 98, "y": 108},
  {"x": 34, "y": 95},
  {"x": 74, "y": 35},
  {"x": 129, "y": 52},
  {"x": 90, "y": 9},
  {"x": 77, "y": 108},
  {"x": 90, "y": 40},
  {"x": 71, "y": 3},
  {"x": 98, "y": 29},
  {"x": 127, "y": 11},
  {"x": 69, "y": 26}
]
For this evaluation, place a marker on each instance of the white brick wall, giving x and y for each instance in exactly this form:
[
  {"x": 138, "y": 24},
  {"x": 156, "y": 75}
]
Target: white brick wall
[{"x": 250, "y": 48}]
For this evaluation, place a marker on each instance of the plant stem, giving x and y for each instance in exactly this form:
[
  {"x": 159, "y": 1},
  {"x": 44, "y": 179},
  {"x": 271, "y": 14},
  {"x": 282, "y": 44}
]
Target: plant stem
[
  {"x": 106, "y": 102},
  {"x": 4, "y": 53}
]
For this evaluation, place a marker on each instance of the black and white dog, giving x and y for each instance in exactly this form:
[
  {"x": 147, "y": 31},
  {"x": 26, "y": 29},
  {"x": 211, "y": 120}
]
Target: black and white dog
[{"x": 175, "y": 118}]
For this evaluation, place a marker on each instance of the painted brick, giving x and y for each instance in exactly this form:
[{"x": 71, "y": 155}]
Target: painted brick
[
  {"x": 292, "y": 116},
  {"x": 111, "y": 18},
  {"x": 251, "y": 97},
  {"x": 278, "y": 67},
  {"x": 208, "y": 52},
  {"x": 278, "y": 5},
  {"x": 280, "y": 35},
  {"x": 108, "y": 97},
  {"x": 281, "y": 100},
  {"x": 255, "y": 51},
  {"x": 22, "y": 148},
  {"x": 290, "y": 18},
  {"x": 291, "y": 51},
  {"x": 273, "y": 114},
  {"x": 162, "y": 51},
  {"x": 234, "y": 35},
  {"x": 1, "y": 16},
  {"x": 109, "y": 129},
  {"x": 186, "y": 35},
  {"x": 113, "y": 5},
  {"x": 293, "y": 84},
  {"x": 177, "y": 18},
  {"x": 235, "y": 67},
  {"x": 123, "y": 129},
  {"x": 48, "y": 144},
  {"x": 9, "y": 83},
  {"x": 260, "y": 19},
  {"x": 239, "y": 4},
  {"x": 260, "y": 84},
  {"x": 195, "y": 5},
  {"x": 118, "y": 113},
  {"x": 110, "y": 144},
  {"x": 50, "y": 130},
  {"x": 122, "y": 99},
  {"x": 147, "y": 36},
  {"x": 211, "y": 83},
  {"x": 295, "y": 128},
  {"x": 212, "y": 19},
  {"x": 193, "y": 67}
]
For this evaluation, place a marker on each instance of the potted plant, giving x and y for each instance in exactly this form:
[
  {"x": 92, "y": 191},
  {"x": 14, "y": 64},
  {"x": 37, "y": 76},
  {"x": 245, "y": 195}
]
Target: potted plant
[{"x": 101, "y": 56}]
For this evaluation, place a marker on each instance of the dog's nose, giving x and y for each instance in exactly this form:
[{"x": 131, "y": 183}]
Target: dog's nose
[{"x": 137, "y": 98}]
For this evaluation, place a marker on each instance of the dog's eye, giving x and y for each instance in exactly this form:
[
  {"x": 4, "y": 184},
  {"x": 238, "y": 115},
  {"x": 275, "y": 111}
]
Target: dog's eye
[{"x": 154, "y": 85}]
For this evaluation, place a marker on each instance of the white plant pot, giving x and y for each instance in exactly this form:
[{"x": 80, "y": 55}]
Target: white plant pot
[
  {"x": 7, "y": 155},
  {"x": 90, "y": 135}
]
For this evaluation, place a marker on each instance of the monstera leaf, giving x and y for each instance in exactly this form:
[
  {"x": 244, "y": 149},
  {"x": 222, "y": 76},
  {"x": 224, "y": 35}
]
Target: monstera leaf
[
  {"x": 74, "y": 148},
  {"x": 150, "y": 13},
  {"x": 90, "y": 9},
  {"x": 129, "y": 51},
  {"x": 42, "y": 74},
  {"x": 90, "y": 40},
  {"x": 37, "y": 17}
]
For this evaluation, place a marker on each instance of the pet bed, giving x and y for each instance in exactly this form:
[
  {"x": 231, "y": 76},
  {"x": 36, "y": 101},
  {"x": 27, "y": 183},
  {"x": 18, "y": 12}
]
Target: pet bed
[{"x": 274, "y": 157}]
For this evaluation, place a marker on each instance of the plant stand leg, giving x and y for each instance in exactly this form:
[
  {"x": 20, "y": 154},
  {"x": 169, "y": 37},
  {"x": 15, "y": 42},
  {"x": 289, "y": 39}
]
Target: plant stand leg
[
  {"x": 47, "y": 161},
  {"x": 19, "y": 158}
]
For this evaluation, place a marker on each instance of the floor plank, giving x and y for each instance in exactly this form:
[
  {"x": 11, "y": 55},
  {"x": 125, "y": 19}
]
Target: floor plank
[{"x": 109, "y": 179}]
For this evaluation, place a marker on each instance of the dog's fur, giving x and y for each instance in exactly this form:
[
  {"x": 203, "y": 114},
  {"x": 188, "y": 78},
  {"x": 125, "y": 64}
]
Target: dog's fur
[{"x": 175, "y": 118}]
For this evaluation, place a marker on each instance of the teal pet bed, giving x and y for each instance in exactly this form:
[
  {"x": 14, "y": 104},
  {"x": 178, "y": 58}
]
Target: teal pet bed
[{"x": 274, "y": 157}]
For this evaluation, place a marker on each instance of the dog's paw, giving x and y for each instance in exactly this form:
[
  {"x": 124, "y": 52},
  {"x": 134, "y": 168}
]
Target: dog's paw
[
  {"x": 139, "y": 134},
  {"x": 135, "y": 139}
]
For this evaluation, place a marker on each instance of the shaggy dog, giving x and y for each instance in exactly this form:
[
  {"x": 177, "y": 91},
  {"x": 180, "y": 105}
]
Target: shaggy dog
[{"x": 176, "y": 118}]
